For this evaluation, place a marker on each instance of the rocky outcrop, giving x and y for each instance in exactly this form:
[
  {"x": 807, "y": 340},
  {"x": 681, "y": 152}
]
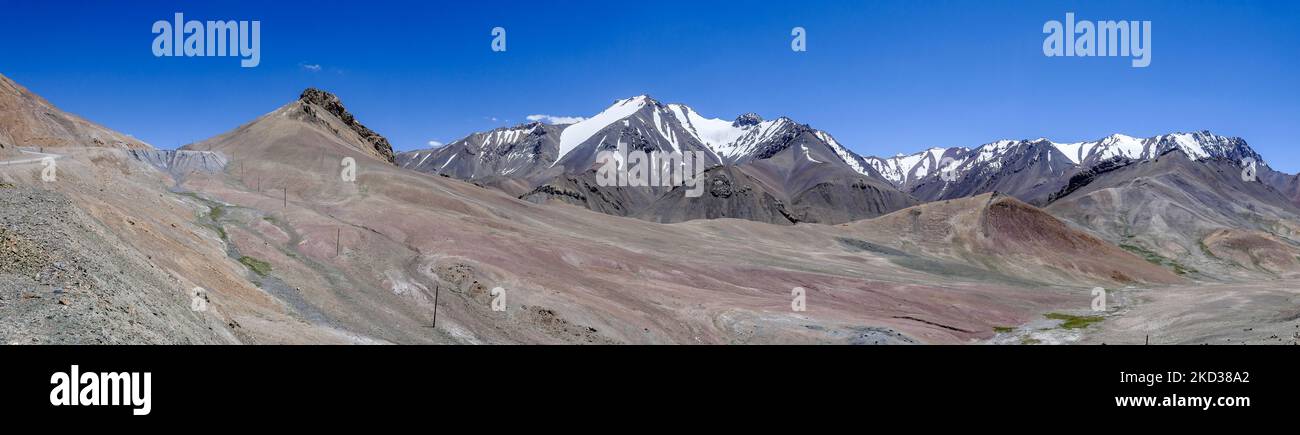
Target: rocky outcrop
[
  {"x": 747, "y": 119},
  {"x": 729, "y": 192},
  {"x": 584, "y": 191},
  {"x": 330, "y": 103}
]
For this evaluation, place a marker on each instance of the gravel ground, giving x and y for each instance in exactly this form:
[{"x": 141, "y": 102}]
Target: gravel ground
[{"x": 64, "y": 279}]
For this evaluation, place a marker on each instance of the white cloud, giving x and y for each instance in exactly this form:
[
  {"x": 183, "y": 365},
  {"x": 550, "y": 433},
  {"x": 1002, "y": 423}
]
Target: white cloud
[
  {"x": 435, "y": 144},
  {"x": 556, "y": 119},
  {"x": 315, "y": 67}
]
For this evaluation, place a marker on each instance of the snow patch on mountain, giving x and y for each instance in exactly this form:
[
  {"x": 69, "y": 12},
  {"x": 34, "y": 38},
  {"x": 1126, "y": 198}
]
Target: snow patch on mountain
[
  {"x": 507, "y": 136},
  {"x": 903, "y": 168},
  {"x": 576, "y": 134},
  {"x": 729, "y": 140},
  {"x": 1197, "y": 146},
  {"x": 714, "y": 133},
  {"x": 1191, "y": 144},
  {"x": 849, "y": 157},
  {"x": 808, "y": 155}
]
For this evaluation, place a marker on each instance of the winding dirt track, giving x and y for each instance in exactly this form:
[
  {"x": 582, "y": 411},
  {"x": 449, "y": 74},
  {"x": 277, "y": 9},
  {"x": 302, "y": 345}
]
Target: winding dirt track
[{"x": 29, "y": 160}]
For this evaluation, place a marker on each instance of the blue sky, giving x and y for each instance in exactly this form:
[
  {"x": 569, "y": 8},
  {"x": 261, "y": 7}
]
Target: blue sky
[{"x": 883, "y": 77}]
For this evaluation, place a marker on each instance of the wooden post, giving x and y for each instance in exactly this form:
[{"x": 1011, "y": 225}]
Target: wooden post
[
  {"x": 435, "y": 305},
  {"x": 338, "y": 239}
]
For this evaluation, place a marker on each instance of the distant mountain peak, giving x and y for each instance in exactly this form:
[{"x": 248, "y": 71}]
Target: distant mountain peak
[
  {"x": 320, "y": 98},
  {"x": 645, "y": 99}
]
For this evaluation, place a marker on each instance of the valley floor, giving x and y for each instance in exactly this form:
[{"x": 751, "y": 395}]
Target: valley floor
[{"x": 1254, "y": 313}]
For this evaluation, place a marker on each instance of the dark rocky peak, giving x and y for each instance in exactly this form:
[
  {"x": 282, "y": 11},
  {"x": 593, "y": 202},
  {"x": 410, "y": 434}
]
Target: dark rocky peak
[
  {"x": 747, "y": 119},
  {"x": 331, "y": 104}
]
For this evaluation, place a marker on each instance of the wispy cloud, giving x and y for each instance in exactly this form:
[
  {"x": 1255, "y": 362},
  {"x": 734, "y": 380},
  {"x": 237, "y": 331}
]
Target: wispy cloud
[
  {"x": 310, "y": 67},
  {"x": 435, "y": 144},
  {"x": 551, "y": 119}
]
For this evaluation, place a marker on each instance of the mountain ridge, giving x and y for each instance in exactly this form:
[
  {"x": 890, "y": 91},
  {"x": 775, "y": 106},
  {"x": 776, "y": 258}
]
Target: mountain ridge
[{"x": 29, "y": 120}]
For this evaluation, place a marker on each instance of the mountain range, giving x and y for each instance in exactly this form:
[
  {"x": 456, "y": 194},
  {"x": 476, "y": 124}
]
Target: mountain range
[
  {"x": 775, "y": 171},
  {"x": 1208, "y": 218},
  {"x": 781, "y": 171},
  {"x": 257, "y": 228}
]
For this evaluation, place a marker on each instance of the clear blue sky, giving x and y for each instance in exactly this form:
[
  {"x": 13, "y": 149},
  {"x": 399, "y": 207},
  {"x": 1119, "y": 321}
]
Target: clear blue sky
[{"x": 882, "y": 76}]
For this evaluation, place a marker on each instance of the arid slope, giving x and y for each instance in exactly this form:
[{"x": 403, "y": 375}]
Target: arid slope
[{"x": 27, "y": 120}]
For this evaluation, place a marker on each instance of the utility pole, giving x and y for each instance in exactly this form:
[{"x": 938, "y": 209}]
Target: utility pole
[
  {"x": 338, "y": 239},
  {"x": 436, "y": 289}
]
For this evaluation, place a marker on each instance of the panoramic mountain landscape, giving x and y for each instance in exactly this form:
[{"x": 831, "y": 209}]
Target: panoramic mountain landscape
[
  {"x": 259, "y": 235},
  {"x": 262, "y": 208}
]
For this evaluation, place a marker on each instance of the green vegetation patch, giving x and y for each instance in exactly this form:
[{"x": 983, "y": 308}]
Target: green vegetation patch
[
  {"x": 1003, "y": 329},
  {"x": 258, "y": 266},
  {"x": 1206, "y": 250},
  {"x": 1157, "y": 259},
  {"x": 1074, "y": 322},
  {"x": 221, "y": 232},
  {"x": 217, "y": 212}
]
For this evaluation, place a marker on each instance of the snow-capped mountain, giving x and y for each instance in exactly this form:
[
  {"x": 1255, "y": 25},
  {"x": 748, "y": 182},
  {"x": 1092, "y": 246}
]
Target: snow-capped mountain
[
  {"x": 1198, "y": 145},
  {"x": 1034, "y": 169},
  {"x": 642, "y": 123},
  {"x": 1026, "y": 169},
  {"x": 791, "y": 165},
  {"x": 732, "y": 141},
  {"x": 522, "y": 150},
  {"x": 638, "y": 123},
  {"x": 777, "y": 170},
  {"x": 904, "y": 170}
]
